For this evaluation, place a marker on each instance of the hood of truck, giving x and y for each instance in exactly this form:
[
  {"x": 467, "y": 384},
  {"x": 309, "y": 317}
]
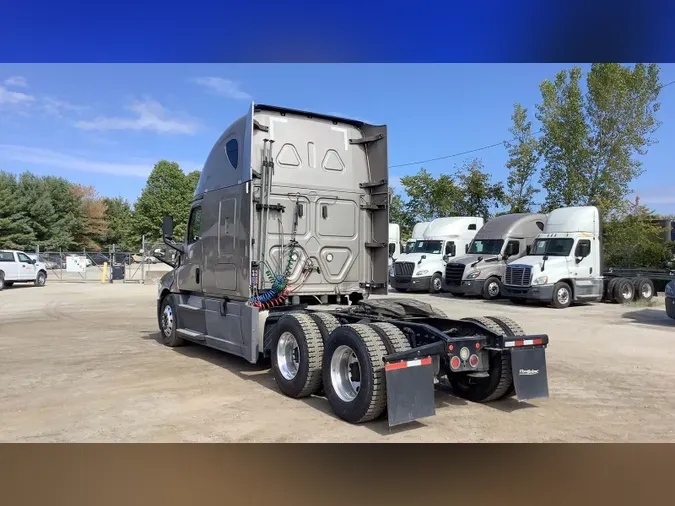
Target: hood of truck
[
  {"x": 555, "y": 267},
  {"x": 470, "y": 259}
]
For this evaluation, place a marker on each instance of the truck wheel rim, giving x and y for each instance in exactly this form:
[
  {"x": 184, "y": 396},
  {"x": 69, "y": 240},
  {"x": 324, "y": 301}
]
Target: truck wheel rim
[
  {"x": 41, "y": 279},
  {"x": 493, "y": 289},
  {"x": 627, "y": 293},
  {"x": 646, "y": 291},
  {"x": 167, "y": 321},
  {"x": 437, "y": 284},
  {"x": 288, "y": 356},
  {"x": 563, "y": 295},
  {"x": 345, "y": 373}
]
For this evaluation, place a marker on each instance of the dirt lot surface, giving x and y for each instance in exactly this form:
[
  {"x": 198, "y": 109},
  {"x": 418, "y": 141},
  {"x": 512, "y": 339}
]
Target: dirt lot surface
[{"x": 81, "y": 362}]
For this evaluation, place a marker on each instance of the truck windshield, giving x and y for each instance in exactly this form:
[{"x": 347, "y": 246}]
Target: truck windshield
[
  {"x": 486, "y": 246},
  {"x": 431, "y": 247},
  {"x": 410, "y": 247},
  {"x": 552, "y": 247}
]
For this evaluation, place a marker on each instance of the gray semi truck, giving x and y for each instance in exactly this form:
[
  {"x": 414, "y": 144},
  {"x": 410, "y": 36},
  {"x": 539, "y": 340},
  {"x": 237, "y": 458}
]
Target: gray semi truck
[
  {"x": 286, "y": 240},
  {"x": 500, "y": 241}
]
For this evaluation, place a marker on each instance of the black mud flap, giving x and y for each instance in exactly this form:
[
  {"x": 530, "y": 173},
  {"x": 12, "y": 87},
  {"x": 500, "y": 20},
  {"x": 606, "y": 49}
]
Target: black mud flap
[
  {"x": 529, "y": 373},
  {"x": 410, "y": 390}
]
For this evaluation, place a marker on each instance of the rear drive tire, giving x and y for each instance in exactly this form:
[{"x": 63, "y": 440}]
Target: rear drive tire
[
  {"x": 492, "y": 288},
  {"x": 353, "y": 373},
  {"x": 168, "y": 323},
  {"x": 562, "y": 296},
  {"x": 500, "y": 380},
  {"x": 624, "y": 291},
  {"x": 644, "y": 289},
  {"x": 609, "y": 292},
  {"x": 393, "y": 334},
  {"x": 327, "y": 323},
  {"x": 297, "y": 351},
  {"x": 436, "y": 283}
]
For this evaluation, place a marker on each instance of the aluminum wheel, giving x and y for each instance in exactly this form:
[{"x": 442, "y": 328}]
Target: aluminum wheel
[
  {"x": 563, "y": 296},
  {"x": 646, "y": 291},
  {"x": 167, "y": 320},
  {"x": 345, "y": 373},
  {"x": 493, "y": 289},
  {"x": 41, "y": 279},
  {"x": 627, "y": 292},
  {"x": 438, "y": 284},
  {"x": 288, "y": 356}
]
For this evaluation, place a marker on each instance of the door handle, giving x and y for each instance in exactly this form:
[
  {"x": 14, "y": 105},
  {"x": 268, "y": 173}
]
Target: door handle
[{"x": 197, "y": 275}]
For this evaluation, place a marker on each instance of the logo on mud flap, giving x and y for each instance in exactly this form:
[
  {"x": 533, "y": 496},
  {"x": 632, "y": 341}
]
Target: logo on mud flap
[{"x": 528, "y": 372}]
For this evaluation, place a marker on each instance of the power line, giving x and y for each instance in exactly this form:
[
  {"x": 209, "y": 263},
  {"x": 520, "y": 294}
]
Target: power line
[{"x": 501, "y": 143}]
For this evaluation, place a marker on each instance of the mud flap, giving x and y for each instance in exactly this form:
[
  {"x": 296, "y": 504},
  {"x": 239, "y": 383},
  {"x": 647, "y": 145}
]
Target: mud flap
[
  {"x": 410, "y": 390},
  {"x": 529, "y": 373}
]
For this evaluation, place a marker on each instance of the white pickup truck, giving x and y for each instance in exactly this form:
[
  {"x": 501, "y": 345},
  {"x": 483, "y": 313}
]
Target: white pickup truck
[{"x": 18, "y": 267}]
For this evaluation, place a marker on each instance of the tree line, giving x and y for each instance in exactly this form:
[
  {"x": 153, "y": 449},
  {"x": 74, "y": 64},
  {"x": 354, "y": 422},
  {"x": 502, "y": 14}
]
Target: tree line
[
  {"x": 585, "y": 153},
  {"x": 57, "y": 215}
]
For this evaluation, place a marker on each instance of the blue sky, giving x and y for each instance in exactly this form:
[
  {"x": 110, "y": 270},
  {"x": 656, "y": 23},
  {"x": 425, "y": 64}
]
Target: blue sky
[{"x": 106, "y": 125}]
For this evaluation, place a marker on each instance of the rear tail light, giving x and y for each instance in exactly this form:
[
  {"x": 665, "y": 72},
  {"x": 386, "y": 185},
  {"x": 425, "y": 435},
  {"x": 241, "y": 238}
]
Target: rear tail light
[
  {"x": 473, "y": 360},
  {"x": 464, "y": 353},
  {"x": 455, "y": 362}
]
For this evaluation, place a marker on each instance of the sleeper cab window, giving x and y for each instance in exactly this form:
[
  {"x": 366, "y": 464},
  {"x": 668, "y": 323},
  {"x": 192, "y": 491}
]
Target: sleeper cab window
[
  {"x": 195, "y": 225},
  {"x": 232, "y": 150}
]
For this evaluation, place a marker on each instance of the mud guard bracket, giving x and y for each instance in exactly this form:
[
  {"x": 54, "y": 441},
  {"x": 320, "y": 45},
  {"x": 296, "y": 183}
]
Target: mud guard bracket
[
  {"x": 410, "y": 390},
  {"x": 530, "y": 378}
]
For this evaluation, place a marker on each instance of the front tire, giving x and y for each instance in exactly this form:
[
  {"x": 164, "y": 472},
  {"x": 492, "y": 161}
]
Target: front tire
[
  {"x": 353, "y": 373},
  {"x": 436, "y": 283},
  {"x": 492, "y": 288},
  {"x": 2, "y": 280},
  {"x": 297, "y": 352},
  {"x": 168, "y": 323},
  {"x": 562, "y": 296},
  {"x": 41, "y": 279}
]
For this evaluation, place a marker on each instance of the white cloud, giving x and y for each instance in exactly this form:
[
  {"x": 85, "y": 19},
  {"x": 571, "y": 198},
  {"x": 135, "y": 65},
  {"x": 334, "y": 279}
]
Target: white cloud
[
  {"x": 15, "y": 97},
  {"x": 224, "y": 87},
  {"x": 55, "y": 159},
  {"x": 150, "y": 115},
  {"x": 57, "y": 107},
  {"x": 16, "y": 81}
]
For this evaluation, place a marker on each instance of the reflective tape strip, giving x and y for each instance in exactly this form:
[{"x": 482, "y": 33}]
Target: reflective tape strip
[
  {"x": 410, "y": 363},
  {"x": 523, "y": 342}
]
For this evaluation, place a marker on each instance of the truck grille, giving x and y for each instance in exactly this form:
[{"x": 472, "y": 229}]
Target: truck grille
[
  {"x": 454, "y": 274},
  {"x": 518, "y": 275},
  {"x": 404, "y": 269}
]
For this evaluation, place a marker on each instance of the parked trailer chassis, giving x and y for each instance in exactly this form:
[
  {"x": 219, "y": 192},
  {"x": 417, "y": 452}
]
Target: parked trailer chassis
[{"x": 387, "y": 355}]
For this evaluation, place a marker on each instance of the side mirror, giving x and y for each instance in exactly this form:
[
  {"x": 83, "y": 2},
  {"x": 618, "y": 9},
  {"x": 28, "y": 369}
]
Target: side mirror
[
  {"x": 167, "y": 227},
  {"x": 446, "y": 258}
]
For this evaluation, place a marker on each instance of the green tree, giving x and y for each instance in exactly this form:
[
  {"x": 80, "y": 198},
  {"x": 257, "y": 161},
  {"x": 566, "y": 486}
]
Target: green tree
[
  {"x": 522, "y": 163},
  {"x": 15, "y": 230},
  {"x": 119, "y": 224},
  {"x": 631, "y": 238},
  {"x": 591, "y": 141},
  {"x": 36, "y": 203},
  {"x": 430, "y": 197},
  {"x": 168, "y": 191},
  {"x": 66, "y": 217},
  {"x": 479, "y": 196},
  {"x": 399, "y": 215}
]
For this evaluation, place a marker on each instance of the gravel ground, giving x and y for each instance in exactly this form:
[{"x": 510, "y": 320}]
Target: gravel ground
[{"x": 82, "y": 362}]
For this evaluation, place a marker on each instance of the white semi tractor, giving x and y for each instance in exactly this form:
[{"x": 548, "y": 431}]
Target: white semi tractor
[
  {"x": 417, "y": 234},
  {"x": 394, "y": 242},
  {"x": 565, "y": 265},
  {"x": 443, "y": 239}
]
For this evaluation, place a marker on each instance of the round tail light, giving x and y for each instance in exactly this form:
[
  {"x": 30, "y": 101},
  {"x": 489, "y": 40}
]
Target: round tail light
[
  {"x": 455, "y": 362},
  {"x": 473, "y": 360},
  {"x": 464, "y": 353}
]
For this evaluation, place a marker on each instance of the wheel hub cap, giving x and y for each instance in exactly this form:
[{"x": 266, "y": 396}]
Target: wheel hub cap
[
  {"x": 288, "y": 356},
  {"x": 345, "y": 373},
  {"x": 493, "y": 289},
  {"x": 167, "y": 321},
  {"x": 563, "y": 296}
]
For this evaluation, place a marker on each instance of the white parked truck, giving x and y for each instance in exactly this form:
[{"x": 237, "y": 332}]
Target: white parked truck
[
  {"x": 19, "y": 267},
  {"x": 565, "y": 265},
  {"x": 394, "y": 242},
  {"x": 502, "y": 240},
  {"x": 443, "y": 239},
  {"x": 290, "y": 214},
  {"x": 417, "y": 233}
]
